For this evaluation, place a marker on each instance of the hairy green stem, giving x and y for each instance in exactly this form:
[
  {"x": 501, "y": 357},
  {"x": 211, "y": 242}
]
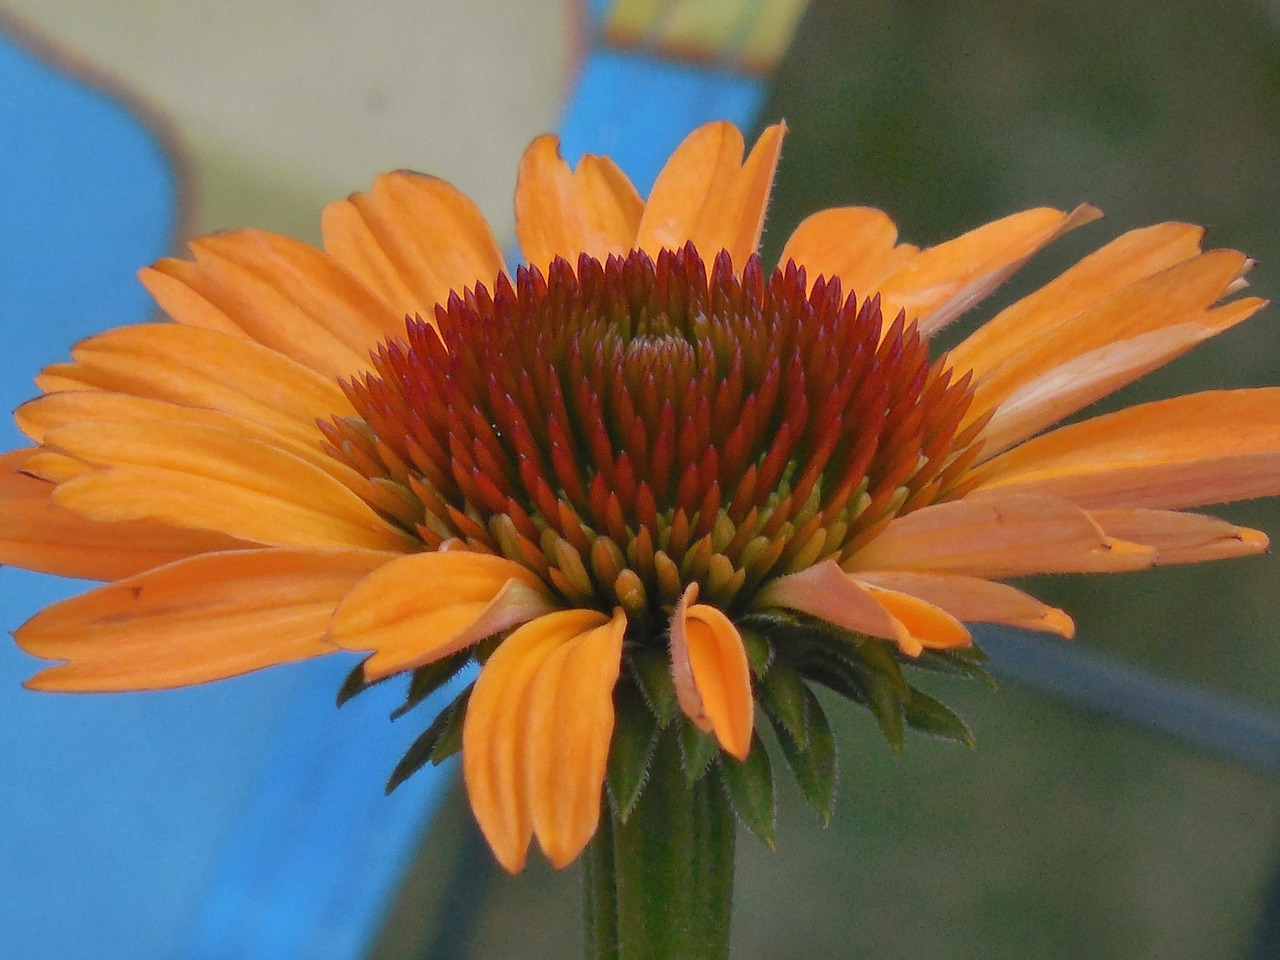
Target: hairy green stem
[{"x": 659, "y": 886}]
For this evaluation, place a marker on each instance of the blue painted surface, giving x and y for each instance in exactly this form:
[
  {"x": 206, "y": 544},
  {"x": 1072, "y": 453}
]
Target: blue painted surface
[
  {"x": 112, "y": 808},
  {"x": 313, "y": 861},
  {"x": 242, "y": 819}
]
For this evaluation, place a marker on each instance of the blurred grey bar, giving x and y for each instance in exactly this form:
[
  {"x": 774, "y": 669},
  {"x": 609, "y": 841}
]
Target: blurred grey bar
[{"x": 1226, "y": 728}]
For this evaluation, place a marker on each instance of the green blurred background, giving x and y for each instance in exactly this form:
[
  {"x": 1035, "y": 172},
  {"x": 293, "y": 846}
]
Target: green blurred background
[{"x": 1062, "y": 835}]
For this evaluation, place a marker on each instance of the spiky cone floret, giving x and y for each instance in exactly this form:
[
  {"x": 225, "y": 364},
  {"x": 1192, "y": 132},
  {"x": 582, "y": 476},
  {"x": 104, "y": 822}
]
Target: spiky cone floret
[{"x": 644, "y": 482}]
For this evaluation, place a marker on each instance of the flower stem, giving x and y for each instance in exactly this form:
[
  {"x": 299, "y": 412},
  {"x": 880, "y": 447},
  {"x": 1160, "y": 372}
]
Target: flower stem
[{"x": 659, "y": 886}]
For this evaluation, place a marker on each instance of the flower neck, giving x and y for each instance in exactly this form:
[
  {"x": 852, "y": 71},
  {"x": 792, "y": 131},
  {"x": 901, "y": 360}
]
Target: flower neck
[{"x": 659, "y": 886}]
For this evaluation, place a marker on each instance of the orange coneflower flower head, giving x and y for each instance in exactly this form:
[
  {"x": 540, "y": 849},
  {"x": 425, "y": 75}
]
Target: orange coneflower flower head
[{"x": 645, "y": 482}]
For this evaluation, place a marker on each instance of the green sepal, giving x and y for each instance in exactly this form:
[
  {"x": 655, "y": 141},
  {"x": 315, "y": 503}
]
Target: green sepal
[
  {"x": 483, "y": 650},
  {"x": 759, "y": 650},
  {"x": 887, "y": 707},
  {"x": 799, "y": 632},
  {"x": 354, "y": 683},
  {"x": 879, "y": 659},
  {"x": 860, "y": 668},
  {"x": 836, "y": 673},
  {"x": 962, "y": 662},
  {"x": 782, "y": 693},
  {"x": 651, "y": 669},
  {"x": 814, "y": 767},
  {"x": 635, "y": 735},
  {"x": 697, "y": 750},
  {"x": 438, "y": 742},
  {"x": 427, "y": 680},
  {"x": 751, "y": 790},
  {"x": 930, "y": 715},
  {"x": 772, "y": 621}
]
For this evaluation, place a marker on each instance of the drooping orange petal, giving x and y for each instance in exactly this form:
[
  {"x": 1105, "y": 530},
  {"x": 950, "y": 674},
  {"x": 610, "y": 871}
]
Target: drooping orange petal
[
  {"x": 201, "y": 368},
  {"x": 279, "y": 292},
  {"x": 204, "y": 618},
  {"x": 1127, "y": 259},
  {"x": 1075, "y": 383},
  {"x": 708, "y": 195},
  {"x": 567, "y": 738},
  {"x": 857, "y": 244},
  {"x": 999, "y": 536},
  {"x": 592, "y": 209},
  {"x": 39, "y": 535},
  {"x": 426, "y": 606},
  {"x": 828, "y": 593},
  {"x": 412, "y": 241},
  {"x": 1182, "y": 537},
  {"x": 1202, "y": 448},
  {"x": 927, "y": 627},
  {"x": 938, "y": 284},
  {"x": 495, "y": 756},
  {"x": 204, "y": 478},
  {"x": 974, "y": 600},
  {"x": 712, "y": 678}
]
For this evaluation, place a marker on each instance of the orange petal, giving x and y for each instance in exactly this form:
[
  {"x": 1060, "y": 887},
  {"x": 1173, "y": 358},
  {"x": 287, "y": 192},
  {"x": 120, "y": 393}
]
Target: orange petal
[
  {"x": 1111, "y": 343},
  {"x": 708, "y": 195},
  {"x": 202, "y": 368},
  {"x": 54, "y": 467},
  {"x": 107, "y": 410},
  {"x": 495, "y": 754},
  {"x": 1203, "y": 448},
  {"x": 567, "y": 738},
  {"x": 426, "y": 606},
  {"x": 204, "y": 618},
  {"x": 412, "y": 241},
  {"x": 36, "y": 418},
  {"x": 712, "y": 678},
  {"x": 279, "y": 292},
  {"x": 1125, "y": 260},
  {"x": 204, "y": 478},
  {"x": 1004, "y": 536},
  {"x": 1074, "y": 384},
  {"x": 974, "y": 600},
  {"x": 1182, "y": 537},
  {"x": 828, "y": 593},
  {"x": 857, "y": 244},
  {"x": 940, "y": 283},
  {"x": 592, "y": 209},
  {"x": 39, "y": 535}
]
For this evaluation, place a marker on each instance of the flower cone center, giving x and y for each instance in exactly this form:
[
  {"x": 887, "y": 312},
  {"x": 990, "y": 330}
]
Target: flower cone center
[{"x": 627, "y": 428}]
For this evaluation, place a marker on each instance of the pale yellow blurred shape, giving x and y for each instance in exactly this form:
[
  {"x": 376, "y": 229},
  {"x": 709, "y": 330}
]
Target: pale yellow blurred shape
[
  {"x": 631, "y": 21},
  {"x": 285, "y": 104},
  {"x": 706, "y": 26},
  {"x": 743, "y": 34},
  {"x": 771, "y": 34}
]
